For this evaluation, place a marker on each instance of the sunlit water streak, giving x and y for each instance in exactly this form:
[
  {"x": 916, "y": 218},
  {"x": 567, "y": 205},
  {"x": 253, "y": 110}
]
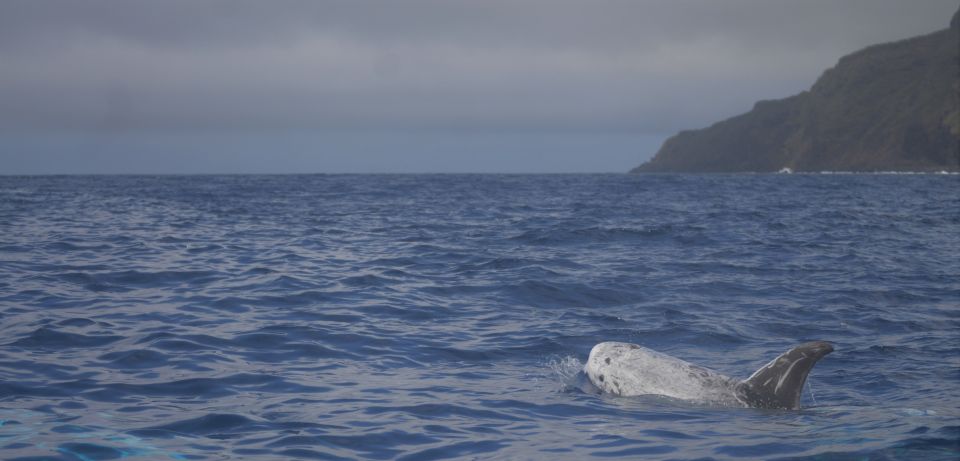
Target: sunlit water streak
[{"x": 429, "y": 317}]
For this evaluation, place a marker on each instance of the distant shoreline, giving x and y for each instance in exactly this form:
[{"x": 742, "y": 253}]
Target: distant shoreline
[
  {"x": 656, "y": 173},
  {"x": 892, "y": 107}
]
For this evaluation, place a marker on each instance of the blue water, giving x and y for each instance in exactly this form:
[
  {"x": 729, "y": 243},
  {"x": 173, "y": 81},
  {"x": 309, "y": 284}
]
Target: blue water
[{"x": 434, "y": 317}]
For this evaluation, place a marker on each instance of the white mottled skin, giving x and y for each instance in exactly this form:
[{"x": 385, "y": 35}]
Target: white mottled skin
[{"x": 628, "y": 370}]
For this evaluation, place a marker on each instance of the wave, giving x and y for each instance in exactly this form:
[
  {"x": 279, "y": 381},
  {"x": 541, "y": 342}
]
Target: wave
[{"x": 443, "y": 317}]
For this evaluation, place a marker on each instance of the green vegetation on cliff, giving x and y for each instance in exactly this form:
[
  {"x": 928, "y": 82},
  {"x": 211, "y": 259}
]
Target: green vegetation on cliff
[{"x": 889, "y": 107}]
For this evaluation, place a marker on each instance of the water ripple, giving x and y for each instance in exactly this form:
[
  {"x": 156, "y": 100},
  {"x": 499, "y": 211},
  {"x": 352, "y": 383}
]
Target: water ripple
[{"x": 447, "y": 316}]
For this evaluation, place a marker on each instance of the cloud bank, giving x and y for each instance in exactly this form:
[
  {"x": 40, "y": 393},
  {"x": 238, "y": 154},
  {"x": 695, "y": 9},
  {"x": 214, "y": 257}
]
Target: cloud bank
[{"x": 651, "y": 67}]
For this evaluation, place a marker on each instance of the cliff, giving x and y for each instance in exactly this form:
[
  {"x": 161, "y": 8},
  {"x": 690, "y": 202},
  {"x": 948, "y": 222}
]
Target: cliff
[{"x": 889, "y": 107}]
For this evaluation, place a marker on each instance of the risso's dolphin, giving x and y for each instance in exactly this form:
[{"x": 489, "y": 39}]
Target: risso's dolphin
[{"x": 629, "y": 370}]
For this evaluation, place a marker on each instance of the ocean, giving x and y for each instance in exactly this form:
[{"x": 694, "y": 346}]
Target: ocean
[{"x": 449, "y": 316}]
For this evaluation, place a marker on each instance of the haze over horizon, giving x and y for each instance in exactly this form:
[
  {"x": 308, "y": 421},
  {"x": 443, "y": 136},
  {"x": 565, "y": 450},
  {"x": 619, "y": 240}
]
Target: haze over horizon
[{"x": 417, "y": 86}]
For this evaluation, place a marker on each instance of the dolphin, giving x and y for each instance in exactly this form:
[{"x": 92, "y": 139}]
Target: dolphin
[{"x": 628, "y": 370}]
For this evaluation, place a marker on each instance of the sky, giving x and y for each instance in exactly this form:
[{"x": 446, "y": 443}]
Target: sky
[{"x": 408, "y": 86}]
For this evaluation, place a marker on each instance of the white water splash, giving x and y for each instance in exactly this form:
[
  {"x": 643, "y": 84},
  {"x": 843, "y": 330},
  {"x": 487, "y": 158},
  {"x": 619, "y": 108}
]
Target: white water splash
[
  {"x": 566, "y": 371},
  {"x": 813, "y": 398}
]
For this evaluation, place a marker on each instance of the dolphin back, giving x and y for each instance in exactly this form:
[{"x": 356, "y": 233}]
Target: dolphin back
[{"x": 779, "y": 383}]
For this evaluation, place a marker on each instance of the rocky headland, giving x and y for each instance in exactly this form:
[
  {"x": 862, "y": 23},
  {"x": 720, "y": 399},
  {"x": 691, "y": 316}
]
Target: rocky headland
[{"x": 889, "y": 107}]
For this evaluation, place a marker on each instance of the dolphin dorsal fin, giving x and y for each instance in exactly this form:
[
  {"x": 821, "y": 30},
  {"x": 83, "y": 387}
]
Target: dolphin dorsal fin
[{"x": 779, "y": 383}]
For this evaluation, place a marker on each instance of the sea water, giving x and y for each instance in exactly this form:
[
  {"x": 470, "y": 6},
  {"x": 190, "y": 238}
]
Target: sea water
[{"x": 449, "y": 316}]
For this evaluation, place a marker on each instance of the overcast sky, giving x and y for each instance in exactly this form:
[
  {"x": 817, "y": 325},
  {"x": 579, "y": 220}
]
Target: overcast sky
[{"x": 181, "y": 86}]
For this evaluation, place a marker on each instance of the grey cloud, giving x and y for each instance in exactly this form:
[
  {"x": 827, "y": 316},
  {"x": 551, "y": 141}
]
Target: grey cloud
[
  {"x": 645, "y": 66},
  {"x": 562, "y": 23}
]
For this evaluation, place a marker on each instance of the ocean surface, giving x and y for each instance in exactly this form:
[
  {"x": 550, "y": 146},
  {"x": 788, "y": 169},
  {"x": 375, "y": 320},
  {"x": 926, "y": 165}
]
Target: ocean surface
[{"x": 449, "y": 316}]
